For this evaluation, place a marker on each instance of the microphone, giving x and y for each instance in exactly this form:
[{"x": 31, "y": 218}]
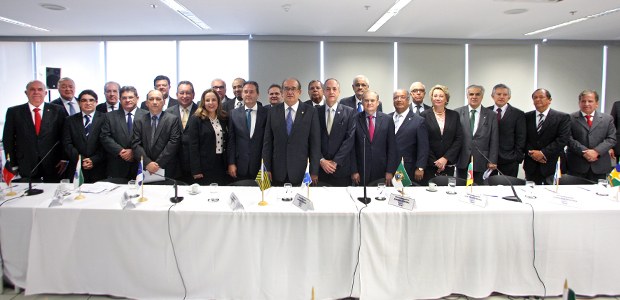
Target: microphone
[
  {"x": 176, "y": 198},
  {"x": 31, "y": 191},
  {"x": 364, "y": 199},
  {"x": 515, "y": 197}
]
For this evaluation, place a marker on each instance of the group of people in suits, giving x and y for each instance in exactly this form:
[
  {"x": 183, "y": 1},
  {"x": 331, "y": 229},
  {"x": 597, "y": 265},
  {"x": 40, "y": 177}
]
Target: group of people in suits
[{"x": 340, "y": 142}]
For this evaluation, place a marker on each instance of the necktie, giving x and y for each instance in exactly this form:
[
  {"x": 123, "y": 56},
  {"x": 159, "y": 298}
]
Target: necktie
[
  {"x": 129, "y": 124},
  {"x": 317, "y": 105},
  {"x": 499, "y": 114},
  {"x": 417, "y": 109},
  {"x": 397, "y": 122},
  {"x": 71, "y": 109},
  {"x": 37, "y": 120},
  {"x": 330, "y": 120},
  {"x": 359, "y": 106},
  {"x": 589, "y": 119},
  {"x": 87, "y": 125},
  {"x": 153, "y": 127},
  {"x": 239, "y": 103},
  {"x": 371, "y": 128},
  {"x": 248, "y": 120},
  {"x": 472, "y": 121},
  {"x": 289, "y": 121},
  {"x": 540, "y": 122},
  {"x": 185, "y": 117},
  {"x": 111, "y": 107}
]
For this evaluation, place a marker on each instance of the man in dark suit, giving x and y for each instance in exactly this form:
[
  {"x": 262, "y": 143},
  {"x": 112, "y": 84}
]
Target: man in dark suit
[
  {"x": 219, "y": 86},
  {"x": 238, "y": 92},
  {"x": 615, "y": 114},
  {"x": 480, "y": 136},
  {"x": 315, "y": 91},
  {"x": 183, "y": 110},
  {"x": 292, "y": 138},
  {"x": 337, "y": 137},
  {"x": 374, "y": 135},
  {"x": 275, "y": 95},
  {"x": 411, "y": 136},
  {"x": 156, "y": 137},
  {"x": 162, "y": 84},
  {"x": 66, "y": 88},
  {"x": 360, "y": 85},
  {"x": 548, "y": 132},
  {"x": 511, "y": 121},
  {"x": 111, "y": 103},
  {"x": 81, "y": 137},
  {"x": 116, "y": 135},
  {"x": 418, "y": 91},
  {"x": 593, "y": 134},
  {"x": 246, "y": 128},
  {"x": 31, "y": 130}
]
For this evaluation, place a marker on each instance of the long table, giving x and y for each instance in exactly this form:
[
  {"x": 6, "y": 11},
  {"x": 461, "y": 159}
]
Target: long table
[{"x": 277, "y": 251}]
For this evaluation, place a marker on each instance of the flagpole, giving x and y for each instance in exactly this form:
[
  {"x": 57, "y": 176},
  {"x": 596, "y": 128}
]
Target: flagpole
[
  {"x": 78, "y": 173},
  {"x": 308, "y": 162},
  {"x": 471, "y": 187},
  {"x": 142, "y": 198},
  {"x": 263, "y": 176},
  {"x": 402, "y": 188}
]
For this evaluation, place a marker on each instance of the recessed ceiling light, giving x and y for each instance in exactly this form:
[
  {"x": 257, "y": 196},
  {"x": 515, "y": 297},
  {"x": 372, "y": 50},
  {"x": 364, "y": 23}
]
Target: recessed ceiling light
[
  {"x": 393, "y": 11},
  {"x": 186, "y": 13},
  {"x": 515, "y": 11},
  {"x": 51, "y": 6},
  {"x": 22, "y": 24},
  {"x": 590, "y": 17}
]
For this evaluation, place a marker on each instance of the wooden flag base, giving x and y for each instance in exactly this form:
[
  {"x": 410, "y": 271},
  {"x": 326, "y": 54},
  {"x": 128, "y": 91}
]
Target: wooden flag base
[
  {"x": 143, "y": 199},
  {"x": 11, "y": 193},
  {"x": 80, "y": 197},
  {"x": 262, "y": 203}
]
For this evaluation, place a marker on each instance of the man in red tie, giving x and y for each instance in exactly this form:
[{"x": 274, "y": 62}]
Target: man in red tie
[
  {"x": 375, "y": 144},
  {"x": 33, "y": 129},
  {"x": 592, "y": 135}
]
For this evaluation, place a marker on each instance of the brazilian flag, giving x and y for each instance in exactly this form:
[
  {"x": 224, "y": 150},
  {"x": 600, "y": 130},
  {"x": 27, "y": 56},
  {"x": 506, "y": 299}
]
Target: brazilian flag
[
  {"x": 401, "y": 178},
  {"x": 614, "y": 176}
]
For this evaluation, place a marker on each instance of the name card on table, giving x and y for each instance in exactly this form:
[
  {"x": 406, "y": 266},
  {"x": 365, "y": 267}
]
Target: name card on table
[
  {"x": 474, "y": 199},
  {"x": 234, "y": 203},
  {"x": 302, "y": 202},
  {"x": 565, "y": 200},
  {"x": 402, "y": 201}
]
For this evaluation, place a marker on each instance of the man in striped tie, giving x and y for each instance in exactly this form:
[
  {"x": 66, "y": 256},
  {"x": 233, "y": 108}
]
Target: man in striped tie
[{"x": 547, "y": 132}]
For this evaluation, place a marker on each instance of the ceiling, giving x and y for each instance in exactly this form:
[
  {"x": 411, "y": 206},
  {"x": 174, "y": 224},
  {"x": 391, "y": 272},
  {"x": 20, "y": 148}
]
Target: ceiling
[{"x": 452, "y": 19}]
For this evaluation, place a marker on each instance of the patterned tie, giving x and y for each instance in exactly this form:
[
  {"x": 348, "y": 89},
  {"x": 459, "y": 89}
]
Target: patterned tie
[
  {"x": 129, "y": 124},
  {"x": 37, "y": 120},
  {"x": 397, "y": 122},
  {"x": 417, "y": 109},
  {"x": 330, "y": 120},
  {"x": 289, "y": 121},
  {"x": 359, "y": 106},
  {"x": 540, "y": 122},
  {"x": 499, "y": 114},
  {"x": 71, "y": 109},
  {"x": 248, "y": 120},
  {"x": 472, "y": 121},
  {"x": 371, "y": 128},
  {"x": 87, "y": 125},
  {"x": 185, "y": 117},
  {"x": 589, "y": 119}
]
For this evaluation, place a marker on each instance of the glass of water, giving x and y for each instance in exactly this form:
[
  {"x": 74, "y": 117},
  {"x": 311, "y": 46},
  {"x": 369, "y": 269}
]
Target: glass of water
[
  {"x": 132, "y": 188},
  {"x": 65, "y": 187},
  {"x": 380, "y": 192},
  {"x": 602, "y": 187},
  {"x": 213, "y": 196},
  {"x": 288, "y": 192},
  {"x": 529, "y": 189},
  {"x": 451, "y": 186}
]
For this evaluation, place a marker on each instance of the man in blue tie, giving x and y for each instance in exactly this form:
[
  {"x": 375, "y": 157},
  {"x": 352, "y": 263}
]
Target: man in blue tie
[
  {"x": 66, "y": 88},
  {"x": 360, "y": 85},
  {"x": 292, "y": 138}
]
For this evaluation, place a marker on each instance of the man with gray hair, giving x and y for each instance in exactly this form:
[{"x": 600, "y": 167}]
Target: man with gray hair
[
  {"x": 111, "y": 91},
  {"x": 417, "y": 90},
  {"x": 66, "y": 88},
  {"x": 360, "y": 85}
]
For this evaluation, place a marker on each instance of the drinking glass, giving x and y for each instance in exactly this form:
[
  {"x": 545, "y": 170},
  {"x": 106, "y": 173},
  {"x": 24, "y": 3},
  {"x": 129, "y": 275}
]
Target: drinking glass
[
  {"x": 451, "y": 186},
  {"x": 213, "y": 195},
  {"x": 380, "y": 192},
  {"x": 529, "y": 188},
  {"x": 288, "y": 192},
  {"x": 602, "y": 187}
]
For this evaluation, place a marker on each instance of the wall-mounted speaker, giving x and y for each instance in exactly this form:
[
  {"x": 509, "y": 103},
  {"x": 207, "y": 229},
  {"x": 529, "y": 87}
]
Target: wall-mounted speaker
[{"x": 52, "y": 75}]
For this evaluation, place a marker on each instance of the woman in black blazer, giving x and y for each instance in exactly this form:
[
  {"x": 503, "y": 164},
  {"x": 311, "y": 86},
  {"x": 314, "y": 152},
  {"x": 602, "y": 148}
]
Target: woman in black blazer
[
  {"x": 444, "y": 135},
  {"x": 208, "y": 131}
]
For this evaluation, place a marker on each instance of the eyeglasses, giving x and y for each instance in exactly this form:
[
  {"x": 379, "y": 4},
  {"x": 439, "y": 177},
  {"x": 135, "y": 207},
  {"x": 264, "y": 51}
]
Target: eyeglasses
[
  {"x": 218, "y": 87},
  {"x": 289, "y": 88},
  {"x": 418, "y": 90},
  {"x": 360, "y": 85}
]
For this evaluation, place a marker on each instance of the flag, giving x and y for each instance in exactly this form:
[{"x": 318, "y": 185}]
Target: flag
[
  {"x": 261, "y": 178},
  {"x": 558, "y": 173},
  {"x": 470, "y": 172},
  {"x": 7, "y": 175},
  {"x": 78, "y": 177},
  {"x": 307, "y": 179},
  {"x": 568, "y": 294},
  {"x": 614, "y": 176},
  {"x": 401, "y": 178},
  {"x": 140, "y": 174}
]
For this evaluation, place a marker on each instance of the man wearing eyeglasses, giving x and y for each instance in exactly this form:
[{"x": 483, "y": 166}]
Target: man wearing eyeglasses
[
  {"x": 292, "y": 138},
  {"x": 417, "y": 90},
  {"x": 219, "y": 86},
  {"x": 360, "y": 85}
]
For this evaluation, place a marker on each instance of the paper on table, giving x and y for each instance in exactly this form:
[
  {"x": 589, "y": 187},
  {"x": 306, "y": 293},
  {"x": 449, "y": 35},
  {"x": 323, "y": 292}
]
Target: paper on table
[{"x": 155, "y": 177}]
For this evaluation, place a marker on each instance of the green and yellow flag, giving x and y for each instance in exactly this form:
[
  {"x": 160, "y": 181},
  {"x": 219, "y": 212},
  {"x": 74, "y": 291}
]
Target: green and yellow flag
[
  {"x": 261, "y": 178},
  {"x": 401, "y": 178}
]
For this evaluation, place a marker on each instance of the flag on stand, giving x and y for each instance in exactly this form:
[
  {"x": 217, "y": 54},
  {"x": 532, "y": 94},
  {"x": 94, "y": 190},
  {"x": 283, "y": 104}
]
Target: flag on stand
[
  {"x": 401, "y": 178},
  {"x": 307, "y": 179},
  {"x": 7, "y": 175},
  {"x": 78, "y": 177},
  {"x": 470, "y": 172},
  {"x": 262, "y": 179},
  {"x": 614, "y": 176},
  {"x": 568, "y": 294},
  {"x": 140, "y": 174},
  {"x": 558, "y": 173}
]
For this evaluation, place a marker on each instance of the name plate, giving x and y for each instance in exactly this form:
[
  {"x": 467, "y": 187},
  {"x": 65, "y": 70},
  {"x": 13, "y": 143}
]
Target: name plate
[
  {"x": 302, "y": 202},
  {"x": 402, "y": 201},
  {"x": 565, "y": 200},
  {"x": 474, "y": 199},
  {"x": 234, "y": 203},
  {"x": 126, "y": 202}
]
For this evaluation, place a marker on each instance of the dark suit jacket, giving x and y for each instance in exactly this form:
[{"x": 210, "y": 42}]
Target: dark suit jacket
[
  {"x": 23, "y": 145},
  {"x": 183, "y": 153},
  {"x": 58, "y": 101},
  {"x": 600, "y": 137},
  {"x": 413, "y": 108},
  {"x": 163, "y": 149},
  {"x": 615, "y": 114},
  {"x": 172, "y": 103},
  {"x": 103, "y": 107},
  {"x": 486, "y": 139},
  {"x": 449, "y": 143},
  {"x": 412, "y": 142},
  {"x": 287, "y": 156},
  {"x": 511, "y": 135},
  {"x": 381, "y": 153},
  {"x": 114, "y": 138},
  {"x": 202, "y": 147},
  {"x": 245, "y": 152},
  {"x": 352, "y": 102},
  {"x": 76, "y": 143},
  {"x": 338, "y": 145},
  {"x": 551, "y": 140}
]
